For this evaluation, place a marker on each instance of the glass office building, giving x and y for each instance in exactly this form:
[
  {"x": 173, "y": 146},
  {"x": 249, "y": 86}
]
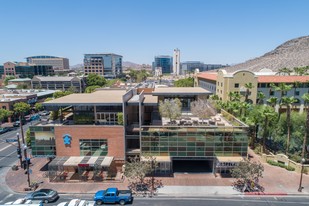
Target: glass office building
[
  {"x": 163, "y": 62},
  {"x": 107, "y": 65}
]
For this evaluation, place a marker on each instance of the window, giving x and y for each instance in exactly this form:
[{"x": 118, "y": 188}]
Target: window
[
  {"x": 296, "y": 93},
  {"x": 271, "y": 93},
  {"x": 236, "y": 85},
  {"x": 93, "y": 147}
]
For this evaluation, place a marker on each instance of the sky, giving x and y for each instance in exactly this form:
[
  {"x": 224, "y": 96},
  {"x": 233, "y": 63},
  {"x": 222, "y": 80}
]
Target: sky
[{"x": 211, "y": 31}]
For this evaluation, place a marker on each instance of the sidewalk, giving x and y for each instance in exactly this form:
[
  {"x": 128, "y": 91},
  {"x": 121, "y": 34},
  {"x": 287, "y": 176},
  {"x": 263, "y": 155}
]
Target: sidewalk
[{"x": 276, "y": 181}]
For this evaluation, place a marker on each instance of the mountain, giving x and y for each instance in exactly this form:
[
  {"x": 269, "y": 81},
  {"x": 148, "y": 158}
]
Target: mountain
[
  {"x": 77, "y": 67},
  {"x": 130, "y": 65},
  {"x": 293, "y": 53}
]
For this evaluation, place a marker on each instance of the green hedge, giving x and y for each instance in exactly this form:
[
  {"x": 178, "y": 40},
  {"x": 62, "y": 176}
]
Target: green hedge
[{"x": 289, "y": 168}]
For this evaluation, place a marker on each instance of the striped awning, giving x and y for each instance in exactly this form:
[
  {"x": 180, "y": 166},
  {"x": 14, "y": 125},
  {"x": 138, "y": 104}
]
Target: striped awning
[{"x": 107, "y": 161}]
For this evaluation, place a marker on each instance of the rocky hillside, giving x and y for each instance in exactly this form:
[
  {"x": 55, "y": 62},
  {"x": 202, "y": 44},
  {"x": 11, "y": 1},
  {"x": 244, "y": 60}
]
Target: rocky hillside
[{"x": 293, "y": 53}]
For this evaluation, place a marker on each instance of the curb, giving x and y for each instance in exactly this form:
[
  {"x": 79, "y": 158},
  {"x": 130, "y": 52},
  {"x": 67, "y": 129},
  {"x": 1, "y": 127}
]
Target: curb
[{"x": 266, "y": 193}]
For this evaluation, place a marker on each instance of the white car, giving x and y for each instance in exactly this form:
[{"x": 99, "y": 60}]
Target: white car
[{"x": 77, "y": 202}]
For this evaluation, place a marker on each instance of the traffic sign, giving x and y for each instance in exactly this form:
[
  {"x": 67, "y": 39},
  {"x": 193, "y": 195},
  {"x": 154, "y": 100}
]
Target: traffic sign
[{"x": 11, "y": 140}]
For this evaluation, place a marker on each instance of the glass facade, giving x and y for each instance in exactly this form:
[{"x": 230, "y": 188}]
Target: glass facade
[
  {"x": 93, "y": 147},
  {"x": 194, "y": 141},
  {"x": 165, "y": 62},
  {"x": 42, "y": 141},
  {"x": 109, "y": 65}
]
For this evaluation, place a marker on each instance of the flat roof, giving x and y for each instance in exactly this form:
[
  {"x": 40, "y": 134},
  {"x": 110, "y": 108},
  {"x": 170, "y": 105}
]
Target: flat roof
[
  {"x": 180, "y": 91},
  {"x": 101, "y": 97},
  {"x": 149, "y": 99}
]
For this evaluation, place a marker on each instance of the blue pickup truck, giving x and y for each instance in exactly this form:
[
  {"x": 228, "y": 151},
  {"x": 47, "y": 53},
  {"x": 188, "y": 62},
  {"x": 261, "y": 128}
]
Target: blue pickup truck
[{"x": 113, "y": 195}]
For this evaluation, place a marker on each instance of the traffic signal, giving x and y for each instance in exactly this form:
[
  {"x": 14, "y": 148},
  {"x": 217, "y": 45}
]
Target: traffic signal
[{"x": 18, "y": 152}]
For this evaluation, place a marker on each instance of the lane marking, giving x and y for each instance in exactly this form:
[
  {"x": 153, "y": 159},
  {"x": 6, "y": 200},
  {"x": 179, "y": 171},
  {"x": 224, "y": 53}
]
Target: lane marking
[
  {"x": 5, "y": 147},
  {"x": 8, "y": 156},
  {"x": 6, "y": 197}
]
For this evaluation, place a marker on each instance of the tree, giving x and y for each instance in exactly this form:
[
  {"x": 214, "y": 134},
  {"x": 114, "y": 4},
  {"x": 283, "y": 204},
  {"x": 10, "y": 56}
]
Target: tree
[
  {"x": 7, "y": 78},
  {"x": 285, "y": 71},
  {"x": 120, "y": 118},
  {"x": 188, "y": 82},
  {"x": 170, "y": 108},
  {"x": 137, "y": 170},
  {"x": 201, "y": 109},
  {"x": 260, "y": 96},
  {"x": 4, "y": 114},
  {"x": 288, "y": 101},
  {"x": 268, "y": 115},
  {"x": 247, "y": 175},
  {"x": 91, "y": 89},
  {"x": 59, "y": 94},
  {"x": 28, "y": 139},
  {"x": 283, "y": 88},
  {"x": 95, "y": 80},
  {"x": 38, "y": 106},
  {"x": 253, "y": 120},
  {"x": 248, "y": 86},
  {"x": 306, "y": 100},
  {"x": 272, "y": 101}
]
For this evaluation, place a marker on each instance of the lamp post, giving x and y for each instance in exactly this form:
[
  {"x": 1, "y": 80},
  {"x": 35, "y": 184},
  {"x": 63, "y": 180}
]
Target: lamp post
[
  {"x": 300, "y": 188},
  {"x": 19, "y": 150}
]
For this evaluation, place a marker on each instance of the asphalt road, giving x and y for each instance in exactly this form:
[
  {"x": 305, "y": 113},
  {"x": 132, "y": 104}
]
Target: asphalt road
[{"x": 207, "y": 201}]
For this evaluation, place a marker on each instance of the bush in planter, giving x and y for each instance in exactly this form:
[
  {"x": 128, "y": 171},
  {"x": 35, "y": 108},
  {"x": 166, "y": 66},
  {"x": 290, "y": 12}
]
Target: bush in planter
[
  {"x": 281, "y": 165},
  {"x": 289, "y": 168},
  {"x": 271, "y": 162}
]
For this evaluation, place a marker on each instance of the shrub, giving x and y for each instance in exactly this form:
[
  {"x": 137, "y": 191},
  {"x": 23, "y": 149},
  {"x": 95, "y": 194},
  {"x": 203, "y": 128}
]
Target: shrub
[
  {"x": 289, "y": 168},
  {"x": 271, "y": 162},
  {"x": 281, "y": 165},
  {"x": 258, "y": 149}
]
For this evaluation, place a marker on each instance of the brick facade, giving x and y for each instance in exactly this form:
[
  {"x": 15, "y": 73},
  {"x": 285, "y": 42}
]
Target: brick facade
[{"x": 113, "y": 134}]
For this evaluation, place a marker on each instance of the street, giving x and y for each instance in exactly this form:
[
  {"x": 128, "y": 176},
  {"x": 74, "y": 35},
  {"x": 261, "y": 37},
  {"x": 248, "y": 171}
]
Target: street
[{"x": 209, "y": 201}]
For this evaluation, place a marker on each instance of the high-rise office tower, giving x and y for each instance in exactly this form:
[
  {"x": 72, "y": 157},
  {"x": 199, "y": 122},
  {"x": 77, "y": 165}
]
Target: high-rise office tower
[
  {"x": 162, "y": 63},
  {"x": 108, "y": 65},
  {"x": 176, "y": 62}
]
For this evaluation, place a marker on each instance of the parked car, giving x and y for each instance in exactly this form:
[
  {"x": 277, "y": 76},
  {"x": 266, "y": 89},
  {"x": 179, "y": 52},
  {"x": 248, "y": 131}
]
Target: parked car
[
  {"x": 77, "y": 202},
  {"x": 113, "y": 195},
  {"x": 4, "y": 130},
  {"x": 17, "y": 123},
  {"x": 46, "y": 195},
  {"x": 35, "y": 117},
  {"x": 44, "y": 113}
]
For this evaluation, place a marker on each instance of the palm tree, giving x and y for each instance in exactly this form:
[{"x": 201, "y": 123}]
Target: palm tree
[
  {"x": 267, "y": 114},
  {"x": 272, "y": 101},
  {"x": 248, "y": 86},
  {"x": 234, "y": 96},
  {"x": 260, "y": 97},
  {"x": 285, "y": 71},
  {"x": 288, "y": 101},
  {"x": 283, "y": 88},
  {"x": 306, "y": 100},
  {"x": 253, "y": 120}
]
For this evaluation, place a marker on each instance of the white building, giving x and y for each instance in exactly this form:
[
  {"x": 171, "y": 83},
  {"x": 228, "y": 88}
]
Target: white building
[{"x": 176, "y": 62}]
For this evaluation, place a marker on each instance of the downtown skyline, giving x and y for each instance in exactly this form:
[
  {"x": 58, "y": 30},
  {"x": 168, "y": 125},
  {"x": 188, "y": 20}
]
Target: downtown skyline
[{"x": 222, "y": 32}]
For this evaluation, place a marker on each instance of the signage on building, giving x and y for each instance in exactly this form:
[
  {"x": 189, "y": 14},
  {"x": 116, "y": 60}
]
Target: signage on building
[
  {"x": 227, "y": 164},
  {"x": 67, "y": 139}
]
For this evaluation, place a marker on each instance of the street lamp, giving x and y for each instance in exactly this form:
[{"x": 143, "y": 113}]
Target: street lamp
[
  {"x": 300, "y": 188},
  {"x": 19, "y": 150}
]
